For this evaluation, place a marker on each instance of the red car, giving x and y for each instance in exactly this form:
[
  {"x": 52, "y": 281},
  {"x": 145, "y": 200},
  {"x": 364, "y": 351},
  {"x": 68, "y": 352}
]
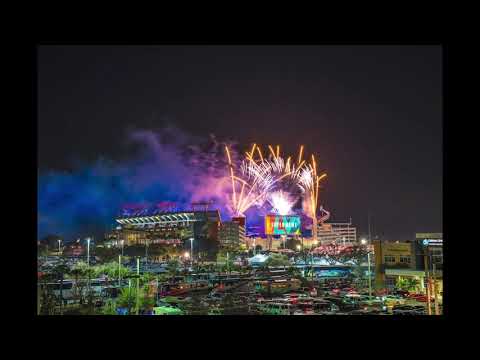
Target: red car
[{"x": 420, "y": 297}]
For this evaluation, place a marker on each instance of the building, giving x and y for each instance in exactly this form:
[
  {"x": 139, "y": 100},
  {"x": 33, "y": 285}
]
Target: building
[
  {"x": 75, "y": 249},
  {"x": 231, "y": 233},
  {"x": 397, "y": 260},
  {"x": 175, "y": 227},
  {"x": 342, "y": 233}
]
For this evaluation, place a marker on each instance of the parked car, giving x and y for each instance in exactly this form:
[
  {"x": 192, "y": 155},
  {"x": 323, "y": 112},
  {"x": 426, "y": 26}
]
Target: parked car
[
  {"x": 392, "y": 300},
  {"x": 409, "y": 310},
  {"x": 402, "y": 293},
  {"x": 421, "y": 298}
]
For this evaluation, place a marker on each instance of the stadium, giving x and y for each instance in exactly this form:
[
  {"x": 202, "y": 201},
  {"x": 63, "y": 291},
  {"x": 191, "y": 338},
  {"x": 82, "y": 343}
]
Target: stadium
[{"x": 273, "y": 200}]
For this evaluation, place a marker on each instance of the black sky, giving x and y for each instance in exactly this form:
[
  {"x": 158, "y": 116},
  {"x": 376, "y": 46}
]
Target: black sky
[{"x": 373, "y": 114}]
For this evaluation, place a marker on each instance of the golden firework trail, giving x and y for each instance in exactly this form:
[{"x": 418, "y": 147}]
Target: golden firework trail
[{"x": 261, "y": 175}]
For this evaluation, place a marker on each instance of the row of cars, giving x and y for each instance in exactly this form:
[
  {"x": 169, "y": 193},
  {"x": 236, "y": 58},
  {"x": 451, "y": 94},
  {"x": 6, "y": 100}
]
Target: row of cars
[{"x": 44, "y": 264}]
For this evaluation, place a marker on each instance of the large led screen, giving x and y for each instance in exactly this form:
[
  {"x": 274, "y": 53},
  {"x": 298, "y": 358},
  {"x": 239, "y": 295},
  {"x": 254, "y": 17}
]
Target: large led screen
[{"x": 282, "y": 225}]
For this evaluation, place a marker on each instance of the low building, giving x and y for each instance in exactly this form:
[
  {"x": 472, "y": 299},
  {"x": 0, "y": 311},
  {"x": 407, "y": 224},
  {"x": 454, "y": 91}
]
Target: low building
[
  {"x": 419, "y": 260},
  {"x": 231, "y": 233},
  {"x": 339, "y": 232},
  {"x": 74, "y": 249}
]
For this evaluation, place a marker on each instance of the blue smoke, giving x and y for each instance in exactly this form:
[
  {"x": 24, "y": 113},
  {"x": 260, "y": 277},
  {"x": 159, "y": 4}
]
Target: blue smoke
[{"x": 86, "y": 201}]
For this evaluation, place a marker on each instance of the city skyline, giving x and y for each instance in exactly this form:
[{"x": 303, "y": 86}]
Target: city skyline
[{"x": 372, "y": 114}]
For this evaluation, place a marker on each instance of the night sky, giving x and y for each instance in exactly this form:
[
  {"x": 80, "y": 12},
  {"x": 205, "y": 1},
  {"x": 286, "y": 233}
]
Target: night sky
[{"x": 372, "y": 114}]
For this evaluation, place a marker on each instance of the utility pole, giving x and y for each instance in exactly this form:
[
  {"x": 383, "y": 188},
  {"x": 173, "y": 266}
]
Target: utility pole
[
  {"x": 427, "y": 276},
  {"x": 369, "y": 233},
  {"x": 369, "y": 278},
  {"x": 138, "y": 282},
  {"x": 119, "y": 263},
  {"x": 146, "y": 251},
  {"x": 437, "y": 310}
]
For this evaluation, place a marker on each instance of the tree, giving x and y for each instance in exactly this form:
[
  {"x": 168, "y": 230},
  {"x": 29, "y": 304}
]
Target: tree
[
  {"x": 78, "y": 274},
  {"x": 106, "y": 254},
  {"x": 81, "y": 269},
  {"x": 277, "y": 260},
  {"x": 294, "y": 272},
  {"x": 332, "y": 253},
  {"x": 355, "y": 255},
  {"x": 109, "y": 308},
  {"x": 408, "y": 284},
  {"x": 110, "y": 269},
  {"x": 47, "y": 298},
  {"x": 292, "y": 244},
  {"x": 59, "y": 272},
  {"x": 127, "y": 298},
  {"x": 173, "y": 267}
]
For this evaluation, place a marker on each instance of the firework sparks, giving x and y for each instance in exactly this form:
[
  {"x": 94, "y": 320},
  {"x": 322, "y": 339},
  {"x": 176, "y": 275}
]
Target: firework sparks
[
  {"x": 282, "y": 202},
  {"x": 274, "y": 180}
]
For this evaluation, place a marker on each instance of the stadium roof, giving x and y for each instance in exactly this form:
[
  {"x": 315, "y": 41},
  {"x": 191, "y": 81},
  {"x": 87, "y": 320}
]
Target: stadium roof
[{"x": 174, "y": 216}]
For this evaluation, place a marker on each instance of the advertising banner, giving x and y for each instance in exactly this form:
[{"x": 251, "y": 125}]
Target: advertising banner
[{"x": 282, "y": 225}]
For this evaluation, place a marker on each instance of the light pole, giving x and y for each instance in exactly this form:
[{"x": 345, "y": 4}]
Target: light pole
[
  {"x": 146, "y": 251},
  {"x": 122, "y": 241},
  {"x": 138, "y": 283},
  {"x": 88, "y": 252},
  {"x": 191, "y": 248},
  {"x": 228, "y": 264},
  {"x": 119, "y": 262},
  {"x": 59, "y": 241},
  {"x": 254, "y": 247},
  {"x": 186, "y": 255},
  {"x": 364, "y": 242},
  {"x": 88, "y": 265}
]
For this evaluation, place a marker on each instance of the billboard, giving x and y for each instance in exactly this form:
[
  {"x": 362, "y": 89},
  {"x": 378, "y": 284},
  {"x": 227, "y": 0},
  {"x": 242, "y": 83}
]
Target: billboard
[
  {"x": 393, "y": 249},
  {"x": 282, "y": 225}
]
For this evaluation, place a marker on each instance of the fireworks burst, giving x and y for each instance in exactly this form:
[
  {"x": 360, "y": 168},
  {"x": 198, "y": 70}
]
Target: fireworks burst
[
  {"x": 282, "y": 202},
  {"x": 274, "y": 180}
]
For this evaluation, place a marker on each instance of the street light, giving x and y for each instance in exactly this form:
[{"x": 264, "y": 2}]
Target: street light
[
  {"x": 88, "y": 251},
  {"x": 363, "y": 241},
  {"x": 298, "y": 247},
  {"x": 191, "y": 248},
  {"x": 186, "y": 255},
  {"x": 59, "y": 241},
  {"x": 122, "y": 241},
  {"x": 369, "y": 277},
  {"x": 88, "y": 265}
]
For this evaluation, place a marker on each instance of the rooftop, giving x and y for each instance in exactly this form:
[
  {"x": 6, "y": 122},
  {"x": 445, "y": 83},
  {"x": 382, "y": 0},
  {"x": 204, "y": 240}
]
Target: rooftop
[{"x": 143, "y": 217}]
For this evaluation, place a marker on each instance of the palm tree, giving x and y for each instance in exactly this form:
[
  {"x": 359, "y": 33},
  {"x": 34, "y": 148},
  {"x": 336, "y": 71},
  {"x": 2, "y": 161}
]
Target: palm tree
[
  {"x": 59, "y": 272},
  {"x": 47, "y": 298},
  {"x": 78, "y": 290},
  {"x": 173, "y": 267}
]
